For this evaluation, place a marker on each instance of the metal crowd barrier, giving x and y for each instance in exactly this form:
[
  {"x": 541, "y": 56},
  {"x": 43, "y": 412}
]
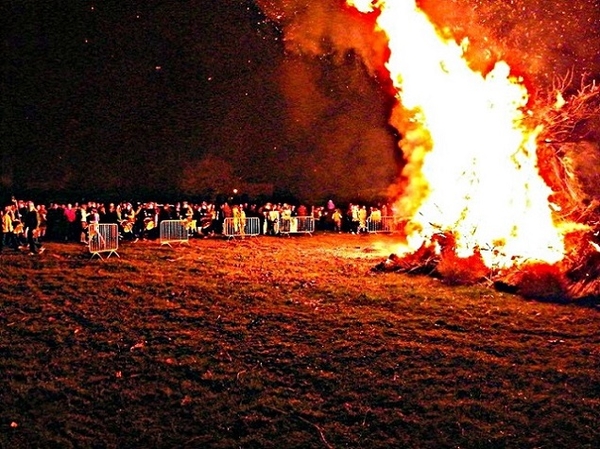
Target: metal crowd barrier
[
  {"x": 103, "y": 238},
  {"x": 174, "y": 231},
  {"x": 247, "y": 227},
  {"x": 297, "y": 225},
  {"x": 386, "y": 224}
]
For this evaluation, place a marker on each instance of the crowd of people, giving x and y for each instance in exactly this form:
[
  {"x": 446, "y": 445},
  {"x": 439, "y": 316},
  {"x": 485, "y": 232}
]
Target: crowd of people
[{"x": 26, "y": 226}]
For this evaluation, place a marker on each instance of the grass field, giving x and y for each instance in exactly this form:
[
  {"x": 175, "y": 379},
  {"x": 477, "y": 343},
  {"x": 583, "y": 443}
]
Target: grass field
[{"x": 283, "y": 343}]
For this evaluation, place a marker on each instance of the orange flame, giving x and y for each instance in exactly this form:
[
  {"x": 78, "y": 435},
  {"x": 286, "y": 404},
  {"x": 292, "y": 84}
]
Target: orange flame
[
  {"x": 471, "y": 164},
  {"x": 364, "y": 6}
]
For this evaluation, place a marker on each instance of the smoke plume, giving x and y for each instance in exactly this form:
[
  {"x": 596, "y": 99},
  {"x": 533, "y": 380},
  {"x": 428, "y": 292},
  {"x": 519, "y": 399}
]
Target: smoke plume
[{"x": 334, "y": 86}]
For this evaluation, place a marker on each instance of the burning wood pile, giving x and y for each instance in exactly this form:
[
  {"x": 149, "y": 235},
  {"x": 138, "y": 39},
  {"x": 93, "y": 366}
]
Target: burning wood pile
[
  {"x": 496, "y": 186},
  {"x": 575, "y": 278},
  {"x": 570, "y": 165}
]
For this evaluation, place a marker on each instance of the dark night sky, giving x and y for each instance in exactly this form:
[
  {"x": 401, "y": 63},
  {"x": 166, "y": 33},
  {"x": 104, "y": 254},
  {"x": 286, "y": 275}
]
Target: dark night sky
[
  {"x": 157, "y": 96},
  {"x": 127, "y": 92}
]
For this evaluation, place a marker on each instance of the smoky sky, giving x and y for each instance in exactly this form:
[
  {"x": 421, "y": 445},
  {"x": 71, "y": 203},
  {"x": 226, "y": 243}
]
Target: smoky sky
[
  {"x": 543, "y": 39},
  {"x": 133, "y": 96}
]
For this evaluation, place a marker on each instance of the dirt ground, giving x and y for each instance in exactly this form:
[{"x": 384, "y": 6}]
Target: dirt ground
[{"x": 276, "y": 342}]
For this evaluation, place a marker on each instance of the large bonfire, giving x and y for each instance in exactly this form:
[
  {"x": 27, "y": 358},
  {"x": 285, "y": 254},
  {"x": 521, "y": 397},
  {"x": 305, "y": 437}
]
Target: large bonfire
[{"x": 476, "y": 201}]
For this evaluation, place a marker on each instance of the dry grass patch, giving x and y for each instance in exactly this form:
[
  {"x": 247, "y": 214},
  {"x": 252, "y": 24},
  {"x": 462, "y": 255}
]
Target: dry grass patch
[{"x": 283, "y": 342}]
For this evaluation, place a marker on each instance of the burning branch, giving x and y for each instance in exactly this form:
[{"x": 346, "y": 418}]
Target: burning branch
[
  {"x": 562, "y": 144},
  {"x": 562, "y": 114}
]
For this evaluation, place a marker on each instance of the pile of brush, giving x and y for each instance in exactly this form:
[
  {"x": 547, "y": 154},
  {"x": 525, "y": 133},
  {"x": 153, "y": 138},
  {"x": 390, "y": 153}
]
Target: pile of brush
[
  {"x": 569, "y": 162},
  {"x": 577, "y": 277}
]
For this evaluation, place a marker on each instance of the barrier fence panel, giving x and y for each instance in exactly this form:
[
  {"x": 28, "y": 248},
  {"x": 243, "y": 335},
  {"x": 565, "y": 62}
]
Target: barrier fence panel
[
  {"x": 103, "y": 238},
  {"x": 174, "y": 231},
  {"x": 245, "y": 227},
  {"x": 297, "y": 225},
  {"x": 386, "y": 224}
]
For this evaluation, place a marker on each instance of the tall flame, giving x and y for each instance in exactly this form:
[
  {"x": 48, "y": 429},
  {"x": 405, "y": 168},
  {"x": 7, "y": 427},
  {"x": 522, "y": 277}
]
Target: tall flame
[{"x": 471, "y": 162}]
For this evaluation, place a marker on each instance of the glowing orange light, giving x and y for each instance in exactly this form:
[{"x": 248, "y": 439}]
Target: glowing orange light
[
  {"x": 364, "y": 6},
  {"x": 471, "y": 164},
  {"x": 560, "y": 101}
]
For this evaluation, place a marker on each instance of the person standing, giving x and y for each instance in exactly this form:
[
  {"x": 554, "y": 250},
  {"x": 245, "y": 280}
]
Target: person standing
[
  {"x": 362, "y": 220},
  {"x": 31, "y": 224},
  {"x": 8, "y": 235},
  {"x": 82, "y": 220},
  {"x": 71, "y": 223},
  {"x": 337, "y": 220},
  {"x": 302, "y": 211}
]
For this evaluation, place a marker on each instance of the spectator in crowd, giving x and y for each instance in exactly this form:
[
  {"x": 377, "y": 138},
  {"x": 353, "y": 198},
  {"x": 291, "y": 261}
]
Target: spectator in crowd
[
  {"x": 239, "y": 220},
  {"x": 330, "y": 207},
  {"x": 273, "y": 220},
  {"x": 362, "y": 220},
  {"x": 384, "y": 210},
  {"x": 375, "y": 219},
  {"x": 164, "y": 214},
  {"x": 353, "y": 219},
  {"x": 8, "y": 237},
  {"x": 337, "y": 218},
  {"x": 218, "y": 218},
  {"x": 71, "y": 219},
  {"x": 21, "y": 209},
  {"x": 111, "y": 216},
  {"x": 285, "y": 219},
  {"x": 42, "y": 214},
  {"x": 82, "y": 221},
  {"x": 302, "y": 211},
  {"x": 31, "y": 224}
]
